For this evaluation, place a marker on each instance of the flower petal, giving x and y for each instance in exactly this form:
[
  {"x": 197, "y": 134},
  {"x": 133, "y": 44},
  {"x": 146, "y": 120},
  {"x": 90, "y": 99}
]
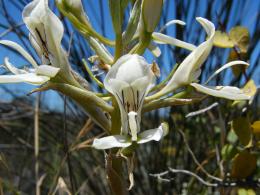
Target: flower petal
[
  {"x": 128, "y": 68},
  {"x": 12, "y": 68},
  {"x": 234, "y": 63},
  {"x": 116, "y": 141},
  {"x": 45, "y": 26},
  {"x": 171, "y": 23},
  {"x": 165, "y": 39},
  {"x": 192, "y": 63},
  {"x": 153, "y": 134},
  {"x": 30, "y": 78},
  {"x": 20, "y": 50},
  {"x": 228, "y": 92},
  {"x": 47, "y": 70}
]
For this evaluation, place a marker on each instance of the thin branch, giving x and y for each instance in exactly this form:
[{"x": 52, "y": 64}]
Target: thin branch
[
  {"x": 196, "y": 160},
  {"x": 194, "y": 175},
  {"x": 160, "y": 175},
  {"x": 198, "y": 112}
]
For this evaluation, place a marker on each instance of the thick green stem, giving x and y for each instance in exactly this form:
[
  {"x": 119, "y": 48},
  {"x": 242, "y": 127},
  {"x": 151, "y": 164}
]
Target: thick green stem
[
  {"x": 144, "y": 43},
  {"x": 93, "y": 105},
  {"x": 114, "y": 164},
  {"x": 119, "y": 47}
]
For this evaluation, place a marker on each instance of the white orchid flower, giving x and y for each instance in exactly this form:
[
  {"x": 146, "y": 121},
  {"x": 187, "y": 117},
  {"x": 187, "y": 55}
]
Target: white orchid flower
[
  {"x": 190, "y": 69},
  {"x": 46, "y": 32},
  {"x": 130, "y": 80},
  {"x": 36, "y": 76}
]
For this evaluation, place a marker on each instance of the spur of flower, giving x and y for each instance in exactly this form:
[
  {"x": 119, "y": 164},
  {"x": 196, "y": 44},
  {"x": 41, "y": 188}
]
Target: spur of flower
[{"x": 129, "y": 80}]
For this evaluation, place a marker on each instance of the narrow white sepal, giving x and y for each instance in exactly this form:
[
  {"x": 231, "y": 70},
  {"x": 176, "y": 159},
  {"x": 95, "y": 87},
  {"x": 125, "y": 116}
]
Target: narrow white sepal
[
  {"x": 12, "y": 68},
  {"x": 20, "y": 50},
  {"x": 234, "y": 63},
  {"x": 116, "y": 141},
  {"x": 30, "y": 78},
  {"x": 165, "y": 39},
  {"x": 228, "y": 92},
  {"x": 153, "y": 134}
]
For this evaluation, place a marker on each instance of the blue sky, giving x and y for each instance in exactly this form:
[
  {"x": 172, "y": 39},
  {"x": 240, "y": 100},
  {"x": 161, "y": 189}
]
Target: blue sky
[{"x": 246, "y": 16}]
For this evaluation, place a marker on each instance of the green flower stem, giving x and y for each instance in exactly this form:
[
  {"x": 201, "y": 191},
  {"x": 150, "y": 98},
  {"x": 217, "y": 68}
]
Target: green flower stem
[
  {"x": 79, "y": 25},
  {"x": 132, "y": 23},
  {"x": 178, "y": 99},
  {"x": 99, "y": 83},
  {"x": 92, "y": 104},
  {"x": 100, "y": 50},
  {"x": 144, "y": 43},
  {"x": 114, "y": 165},
  {"x": 115, "y": 119},
  {"x": 119, "y": 47}
]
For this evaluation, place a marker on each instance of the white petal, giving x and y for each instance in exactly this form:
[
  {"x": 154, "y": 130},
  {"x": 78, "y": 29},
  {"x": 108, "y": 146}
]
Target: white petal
[
  {"x": 171, "y": 23},
  {"x": 20, "y": 50},
  {"x": 234, "y": 63},
  {"x": 128, "y": 68},
  {"x": 30, "y": 78},
  {"x": 116, "y": 141},
  {"x": 12, "y": 68},
  {"x": 228, "y": 92},
  {"x": 165, "y": 39},
  {"x": 37, "y": 15},
  {"x": 117, "y": 86},
  {"x": 192, "y": 63},
  {"x": 47, "y": 70},
  {"x": 153, "y": 134}
]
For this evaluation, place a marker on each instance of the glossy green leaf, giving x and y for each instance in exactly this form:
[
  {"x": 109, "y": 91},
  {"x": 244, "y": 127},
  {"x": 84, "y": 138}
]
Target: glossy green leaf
[{"x": 241, "y": 126}]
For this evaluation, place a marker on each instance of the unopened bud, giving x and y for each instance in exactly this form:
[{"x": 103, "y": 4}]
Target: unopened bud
[
  {"x": 151, "y": 12},
  {"x": 76, "y": 8}
]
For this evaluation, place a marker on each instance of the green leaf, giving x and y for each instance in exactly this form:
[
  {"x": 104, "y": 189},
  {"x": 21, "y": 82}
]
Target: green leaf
[
  {"x": 243, "y": 165},
  {"x": 241, "y": 126},
  {"x": 221, "y": 39},
  {"x": 240, "y": 37},
  {"x": 228, "y": 152}
]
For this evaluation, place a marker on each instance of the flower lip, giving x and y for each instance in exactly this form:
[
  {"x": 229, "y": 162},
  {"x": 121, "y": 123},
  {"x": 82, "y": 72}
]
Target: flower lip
[{"x": 123, "y": 141}]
